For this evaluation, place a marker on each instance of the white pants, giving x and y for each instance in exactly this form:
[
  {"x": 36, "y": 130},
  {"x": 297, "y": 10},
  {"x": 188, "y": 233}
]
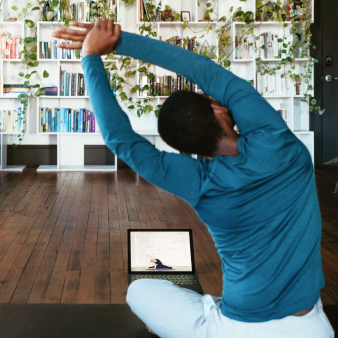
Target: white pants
[{"x": 171, "y": 311}]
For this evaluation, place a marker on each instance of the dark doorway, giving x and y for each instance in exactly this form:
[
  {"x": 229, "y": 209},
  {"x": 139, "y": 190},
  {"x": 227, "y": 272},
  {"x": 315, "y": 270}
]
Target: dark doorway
[{"x": 325, "y": 37}]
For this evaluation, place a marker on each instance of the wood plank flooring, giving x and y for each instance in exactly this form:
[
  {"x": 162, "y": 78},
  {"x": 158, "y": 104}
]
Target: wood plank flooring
[{"x": 63, "y": 236}]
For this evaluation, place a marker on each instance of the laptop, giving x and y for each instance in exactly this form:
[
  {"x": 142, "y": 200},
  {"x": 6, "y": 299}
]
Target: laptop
[{"x": 162, "y": 254}]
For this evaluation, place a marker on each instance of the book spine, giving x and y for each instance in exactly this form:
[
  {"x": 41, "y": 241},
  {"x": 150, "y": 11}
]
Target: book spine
[
  {"x": 166, "y": 88},
  {"x": 69, "y": 115},
  {"x": 15, "y": 121},
  {"x": 19, "y": 119},
  {"x": 81, "y": 120},
  {"x": 60, "y": 125},
  {"x": 45, "y": 49},
  {"x": 84, "y": 120},
  {"x": 13, "y": 48},
  {"x": 94, "y": 121},
  {"x": 53, "y": 120},
  {"x": 9, "y": 119},
  {"x": 50, "y": 120}
]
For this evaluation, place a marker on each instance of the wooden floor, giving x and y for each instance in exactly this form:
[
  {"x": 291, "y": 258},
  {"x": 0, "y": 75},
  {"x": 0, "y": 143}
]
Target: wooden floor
[{"x": 63, "y": 235}]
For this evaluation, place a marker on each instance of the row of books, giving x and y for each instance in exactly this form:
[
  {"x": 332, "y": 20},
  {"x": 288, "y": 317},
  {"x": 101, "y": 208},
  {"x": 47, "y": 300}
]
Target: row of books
[
  {"x": 10, "y": 48},
  {"x": 87, "y": 11},
  {"x": 165, "y": 85},
  {"x": 67, "y": 120},
  {"x": 72, "y": 84},
  {"x": 276, "y": 84},
  {"x": 48, "y": 50},
  {"x": 15, "y": 89},
  {"x": 279, "y": 84},
  {"x": 272, "y": 47},
  {"x": 245, "y": 50},
  {"x": 191, "y": 45},
  {"x": 11, "y": 121}
]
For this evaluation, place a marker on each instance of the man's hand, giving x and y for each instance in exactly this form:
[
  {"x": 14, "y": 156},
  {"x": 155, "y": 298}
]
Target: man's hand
[
  {"x": 99, "y": 38},
  {"x": 72, "y": 34},
  {"x": 102, "y": 38}
]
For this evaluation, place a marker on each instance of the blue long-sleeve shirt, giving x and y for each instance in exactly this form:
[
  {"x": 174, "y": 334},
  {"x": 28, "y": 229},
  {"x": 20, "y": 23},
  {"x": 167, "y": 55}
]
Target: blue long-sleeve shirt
[{"x": 260, "y": 207}]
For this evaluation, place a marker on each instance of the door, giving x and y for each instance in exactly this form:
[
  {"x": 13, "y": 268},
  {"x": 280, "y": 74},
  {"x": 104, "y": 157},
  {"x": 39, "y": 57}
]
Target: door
[{"x": 330, "y": 85}]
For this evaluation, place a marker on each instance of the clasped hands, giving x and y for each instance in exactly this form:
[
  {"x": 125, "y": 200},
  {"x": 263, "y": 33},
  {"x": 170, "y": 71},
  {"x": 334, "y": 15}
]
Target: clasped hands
[{"x": 97, "y": 38}]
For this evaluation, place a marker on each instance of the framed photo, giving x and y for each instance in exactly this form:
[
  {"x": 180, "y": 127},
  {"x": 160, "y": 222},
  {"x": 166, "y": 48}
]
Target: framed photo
[{"x": 185, "y": 15}]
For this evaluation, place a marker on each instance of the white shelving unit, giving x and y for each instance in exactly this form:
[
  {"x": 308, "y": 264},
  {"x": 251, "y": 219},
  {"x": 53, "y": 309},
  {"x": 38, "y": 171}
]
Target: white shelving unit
[{"x": 70, "y": 146}]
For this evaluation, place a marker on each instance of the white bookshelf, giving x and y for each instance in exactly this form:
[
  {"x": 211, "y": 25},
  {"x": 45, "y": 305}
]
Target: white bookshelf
[{"x": 70, "y": 146}]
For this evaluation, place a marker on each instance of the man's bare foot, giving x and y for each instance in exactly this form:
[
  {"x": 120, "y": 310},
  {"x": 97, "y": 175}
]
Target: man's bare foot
[{"x": 151, "y": 331}]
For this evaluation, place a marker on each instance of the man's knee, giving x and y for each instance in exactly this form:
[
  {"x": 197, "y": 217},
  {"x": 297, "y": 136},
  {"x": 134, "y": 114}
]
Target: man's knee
[{"x": 136, "y": 291}]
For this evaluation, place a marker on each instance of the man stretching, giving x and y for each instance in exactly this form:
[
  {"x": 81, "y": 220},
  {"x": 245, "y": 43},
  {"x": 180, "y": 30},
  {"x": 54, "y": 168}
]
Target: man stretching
[{"x": 257, "y": 196}]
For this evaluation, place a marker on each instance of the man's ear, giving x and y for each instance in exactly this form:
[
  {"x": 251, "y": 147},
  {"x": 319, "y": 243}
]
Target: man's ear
[{"x": 221, "y": 114}]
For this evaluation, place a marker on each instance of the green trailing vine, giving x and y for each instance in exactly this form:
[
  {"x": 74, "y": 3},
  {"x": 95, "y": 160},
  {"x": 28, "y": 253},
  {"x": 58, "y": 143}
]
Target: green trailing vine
[{"x": 128, "y": 69}]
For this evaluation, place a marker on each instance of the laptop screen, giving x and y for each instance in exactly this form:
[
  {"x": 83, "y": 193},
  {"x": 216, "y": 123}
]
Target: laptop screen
[{"x": 160, "y": 251}]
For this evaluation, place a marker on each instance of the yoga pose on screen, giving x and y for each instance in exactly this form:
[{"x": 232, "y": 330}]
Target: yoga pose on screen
[
  {"x": 257, "y": 195},
  {"x": 158, "y": 265}
]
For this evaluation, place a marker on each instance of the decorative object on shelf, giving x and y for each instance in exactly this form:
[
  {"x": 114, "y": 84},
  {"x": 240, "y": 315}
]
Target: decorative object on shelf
[
  {"x": 50, "y": 91},
  {"x": 185, "y": 16},
  {"x": 166, "y": 15}
]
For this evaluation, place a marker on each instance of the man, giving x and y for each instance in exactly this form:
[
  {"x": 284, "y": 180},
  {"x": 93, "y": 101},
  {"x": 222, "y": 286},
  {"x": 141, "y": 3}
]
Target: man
[{"x": 257, "y": 196}]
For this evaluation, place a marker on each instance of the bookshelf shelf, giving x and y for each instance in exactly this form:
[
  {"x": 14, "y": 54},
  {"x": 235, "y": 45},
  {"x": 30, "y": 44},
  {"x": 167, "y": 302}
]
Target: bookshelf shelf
[
  {"x": 273, "y": 23},
  {"x": 12, "y": 60},
  {"x": 47, "y": 168},
  {"x": 63, "y": 97},
  {"x": 70, "y": 133},
  {"x": 243, "y": 60},
  {"x": 277, "y": 97}
]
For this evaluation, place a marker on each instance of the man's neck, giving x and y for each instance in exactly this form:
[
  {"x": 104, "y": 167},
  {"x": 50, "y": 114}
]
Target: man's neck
[{"x": 228, "y": 146}]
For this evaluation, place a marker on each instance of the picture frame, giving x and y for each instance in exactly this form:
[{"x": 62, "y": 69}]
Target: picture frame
[{"x": 185, "y": 16}]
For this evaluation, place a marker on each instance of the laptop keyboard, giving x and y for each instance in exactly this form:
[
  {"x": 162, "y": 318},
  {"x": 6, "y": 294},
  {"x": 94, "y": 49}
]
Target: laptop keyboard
[{"x": 176, "y": 279}]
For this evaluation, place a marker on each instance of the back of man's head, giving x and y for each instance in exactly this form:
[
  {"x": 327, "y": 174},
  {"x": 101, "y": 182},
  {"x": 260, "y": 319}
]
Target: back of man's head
[{"x": 187, "y": 123}]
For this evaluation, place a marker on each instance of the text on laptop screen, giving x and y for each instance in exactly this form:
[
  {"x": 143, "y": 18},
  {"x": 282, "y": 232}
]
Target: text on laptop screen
[{"x": 163, "y": 251}]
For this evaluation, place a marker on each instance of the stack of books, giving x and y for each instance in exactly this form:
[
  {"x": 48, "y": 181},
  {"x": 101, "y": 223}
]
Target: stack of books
[
  {"x": 72, "y": 84},
  {"x": 276, "y": 84},
  {"x": 166, "y": 85},
  {"x": 11, "y": 121},
  {"x": 67, "y": 120},
  {"x": 10, "y": 48},
  {"x": 246, "y": 50},
  {"x": 272, "y": 47},
  {"x": 48, "y": 50},
  {"x": 86, "y": 11},
  {"x": 13, "y": 90}
]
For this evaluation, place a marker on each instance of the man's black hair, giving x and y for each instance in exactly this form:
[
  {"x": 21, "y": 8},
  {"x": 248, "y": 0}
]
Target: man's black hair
[{"x": 187, "y": 123}]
